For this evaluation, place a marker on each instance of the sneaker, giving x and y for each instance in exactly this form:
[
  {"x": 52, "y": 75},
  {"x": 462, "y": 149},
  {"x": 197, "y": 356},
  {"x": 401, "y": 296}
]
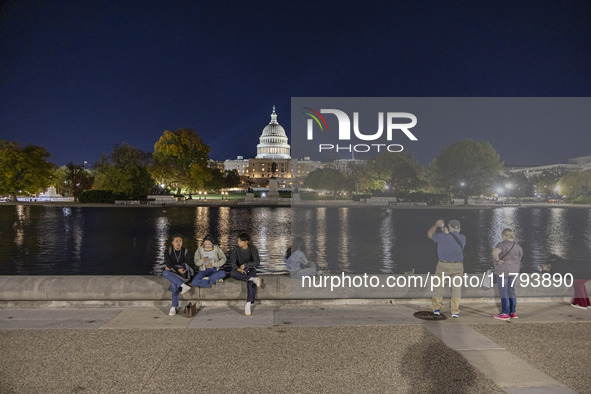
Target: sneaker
[
  {"x": 456, "y": 315},
  {"x": 578, "y": 306},
  {"x": 258, "y": 281},
  {"x": 220, "y": 281},
  {"x": 437, "y": 313},
  {"x": 185, "y": 288},
  {"x": 502, "y": 316},
  {"x": 513, "y": 315},
  {"x": 172, "y": 311},
  {"x": 247, "y": 309}
]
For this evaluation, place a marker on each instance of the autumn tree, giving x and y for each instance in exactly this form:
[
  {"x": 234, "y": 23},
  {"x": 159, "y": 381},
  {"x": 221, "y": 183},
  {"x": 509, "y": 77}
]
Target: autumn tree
[
  {"x": 181, "y": 160},
  {"x": 125, "y": 171},
  {"x": 24, "y": 171},
  {"x": 466, "y": 167}
]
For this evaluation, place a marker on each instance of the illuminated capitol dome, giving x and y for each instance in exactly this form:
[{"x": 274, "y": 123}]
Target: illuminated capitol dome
[{"x": 273, "y": 141}]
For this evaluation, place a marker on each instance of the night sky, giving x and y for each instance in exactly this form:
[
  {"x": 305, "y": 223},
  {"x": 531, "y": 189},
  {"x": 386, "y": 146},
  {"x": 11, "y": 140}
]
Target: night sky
[{"x": 78, "y": 77}]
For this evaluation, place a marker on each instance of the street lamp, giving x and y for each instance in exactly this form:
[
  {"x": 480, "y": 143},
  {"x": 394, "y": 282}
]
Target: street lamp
[{"x": 205, "y": 194}]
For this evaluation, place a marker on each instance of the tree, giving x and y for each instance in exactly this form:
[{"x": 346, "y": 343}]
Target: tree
[
  {"x": 326, "y": 179},
  {"x": 467, "y": 167},
  {"x": 398, "y": 172},
  {"x": 516, "y": 185},
  {"x": 24, "y": 170},
  {"x": 124, "y": 171},
  {"x": 181, "y": 160},
  {"x": 77, "y": 179},
  {"x": 576, "y": 186},
  {"x": 545, "y": 183},
  {"x": 231, "y": 179}
]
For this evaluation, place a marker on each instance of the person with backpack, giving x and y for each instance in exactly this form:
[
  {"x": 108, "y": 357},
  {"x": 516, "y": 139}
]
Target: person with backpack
[
  {"x": 177, "y": 270},
  {"x": 507, "y": 259},
  {"x": 450, "y": 250}
]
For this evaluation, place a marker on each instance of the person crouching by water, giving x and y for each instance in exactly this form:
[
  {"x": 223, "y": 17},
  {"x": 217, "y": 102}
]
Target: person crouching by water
[
  {"x": 209, "y": 258},
  {"x": 296, "y": 262},
  {"x": 177, "y": 270},
  {"x": 450, "y": 250},
  {"x": 244, "y": 259},
  {"x": 507, "y": 257}
]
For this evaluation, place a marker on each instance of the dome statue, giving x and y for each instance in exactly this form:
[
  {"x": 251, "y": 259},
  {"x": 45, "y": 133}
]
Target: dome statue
[{"x": 273, "y": 141}]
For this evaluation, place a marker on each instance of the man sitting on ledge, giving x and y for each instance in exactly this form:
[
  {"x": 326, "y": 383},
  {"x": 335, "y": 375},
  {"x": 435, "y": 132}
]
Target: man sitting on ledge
[{"x": 244, "y": 259}]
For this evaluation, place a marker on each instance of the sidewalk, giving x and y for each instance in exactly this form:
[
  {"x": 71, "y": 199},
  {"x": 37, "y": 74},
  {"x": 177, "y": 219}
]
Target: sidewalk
[{"x": 313, "y": 348}]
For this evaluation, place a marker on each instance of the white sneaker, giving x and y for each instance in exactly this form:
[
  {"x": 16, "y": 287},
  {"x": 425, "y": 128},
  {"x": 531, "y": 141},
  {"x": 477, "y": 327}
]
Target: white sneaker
[
  {"x": 247, "y": 309},
  {"x": 185, "y": 288},
  {"x": 258, "y": 281},
  {"x": 172, "y": 311},
  {"x": 220, "y": 281}
]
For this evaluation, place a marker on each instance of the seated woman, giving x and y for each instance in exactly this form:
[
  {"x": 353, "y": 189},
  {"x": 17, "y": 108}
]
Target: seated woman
[
  {"x": 209, "y": 259},
  {"x": 296, "y": 261},
  {"x": 177, "y": 270}
]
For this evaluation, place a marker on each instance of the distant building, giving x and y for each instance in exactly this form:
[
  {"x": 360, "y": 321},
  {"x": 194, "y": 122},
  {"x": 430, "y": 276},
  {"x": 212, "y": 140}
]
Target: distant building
[
  {"x": 574, "y": 164},
  {"x": 273, "y": 149}
]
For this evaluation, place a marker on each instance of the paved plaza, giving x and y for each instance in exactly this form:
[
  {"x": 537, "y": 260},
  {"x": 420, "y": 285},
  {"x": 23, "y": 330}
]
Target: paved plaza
[{"x": 294, "y": 348}]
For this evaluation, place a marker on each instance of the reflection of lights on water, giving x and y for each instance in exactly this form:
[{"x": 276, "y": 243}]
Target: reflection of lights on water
[
  {"x": 344, "y": 238},
  {"x": 22, "y": 215},
  {"x": 224, "y": 226},
  {"x": 556, "y": 232},
  {"x": 201, "y": 220},
  {"x": 321, "y": 236},
  {"x": 67, "y": 211},
  {"x": 387, "y": 240},
  {"x": 162, "y": 228}
]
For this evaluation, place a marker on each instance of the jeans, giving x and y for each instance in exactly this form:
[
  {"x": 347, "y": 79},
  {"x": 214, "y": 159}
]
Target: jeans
[
  {"x": 214, "y": 275},
  {"x": 251, "y": 287},
  {"x": 175, "y": 287},
  {"x": 507, "y": 293}
]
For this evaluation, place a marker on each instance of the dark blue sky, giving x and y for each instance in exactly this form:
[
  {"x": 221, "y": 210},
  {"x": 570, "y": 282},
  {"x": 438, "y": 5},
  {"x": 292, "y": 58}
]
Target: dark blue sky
[{"x": 78, "y": 77}]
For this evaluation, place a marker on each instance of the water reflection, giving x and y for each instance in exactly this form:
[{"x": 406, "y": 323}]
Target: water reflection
[
  {"x": 161, "y": 235},
  {"x": 387, "y": 238},
  {"x": 107, "y": 241},
  {"x": 320, "y": 244},
  {"x": 343, "y": 239},
  {"x": 556, "y": 235}
]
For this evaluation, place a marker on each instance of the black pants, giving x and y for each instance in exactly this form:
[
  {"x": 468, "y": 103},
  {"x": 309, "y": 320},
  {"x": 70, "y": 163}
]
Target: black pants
[{"x": 251, "y": 287}]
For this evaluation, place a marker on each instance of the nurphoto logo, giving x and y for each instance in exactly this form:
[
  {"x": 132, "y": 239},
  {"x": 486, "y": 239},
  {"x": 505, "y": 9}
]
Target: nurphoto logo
[{"x": 392, "y": 125}]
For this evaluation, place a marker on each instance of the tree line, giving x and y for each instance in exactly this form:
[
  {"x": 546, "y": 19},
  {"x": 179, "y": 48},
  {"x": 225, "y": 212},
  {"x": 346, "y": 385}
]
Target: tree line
[
  {"x": 180, "y": 162},
  {"x": 464, "y": 169}
]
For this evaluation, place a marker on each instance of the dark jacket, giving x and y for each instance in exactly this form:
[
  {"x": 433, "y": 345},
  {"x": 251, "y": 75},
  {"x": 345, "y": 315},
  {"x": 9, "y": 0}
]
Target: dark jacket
[
  {"x": 236, "y": 258},
  {"x": 175, "y": 260}
]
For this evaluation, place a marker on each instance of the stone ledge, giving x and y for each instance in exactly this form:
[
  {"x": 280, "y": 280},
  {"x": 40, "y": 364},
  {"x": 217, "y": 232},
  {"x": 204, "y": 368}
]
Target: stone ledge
[{"x": 277, "y": 287}]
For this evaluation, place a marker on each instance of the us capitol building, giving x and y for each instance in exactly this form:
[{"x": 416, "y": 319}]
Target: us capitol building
[{"x": 273, "y": 147}]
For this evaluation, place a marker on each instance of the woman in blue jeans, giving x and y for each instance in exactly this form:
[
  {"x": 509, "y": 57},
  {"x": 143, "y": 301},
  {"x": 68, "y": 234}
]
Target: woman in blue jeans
[
  {"x": 209, "y": 258},
  {"x": 507, "y": 256},
  {"x": 177, "y": 270}
]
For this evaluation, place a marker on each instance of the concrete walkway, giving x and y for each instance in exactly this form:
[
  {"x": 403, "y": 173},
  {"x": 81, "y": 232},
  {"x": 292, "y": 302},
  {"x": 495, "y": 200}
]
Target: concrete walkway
[{"x": 311, "y": 348}]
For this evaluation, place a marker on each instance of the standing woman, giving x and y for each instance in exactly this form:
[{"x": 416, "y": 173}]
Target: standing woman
[
  {"x": 209, "y": 258},
  {"x": 507, "y": 256}
]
